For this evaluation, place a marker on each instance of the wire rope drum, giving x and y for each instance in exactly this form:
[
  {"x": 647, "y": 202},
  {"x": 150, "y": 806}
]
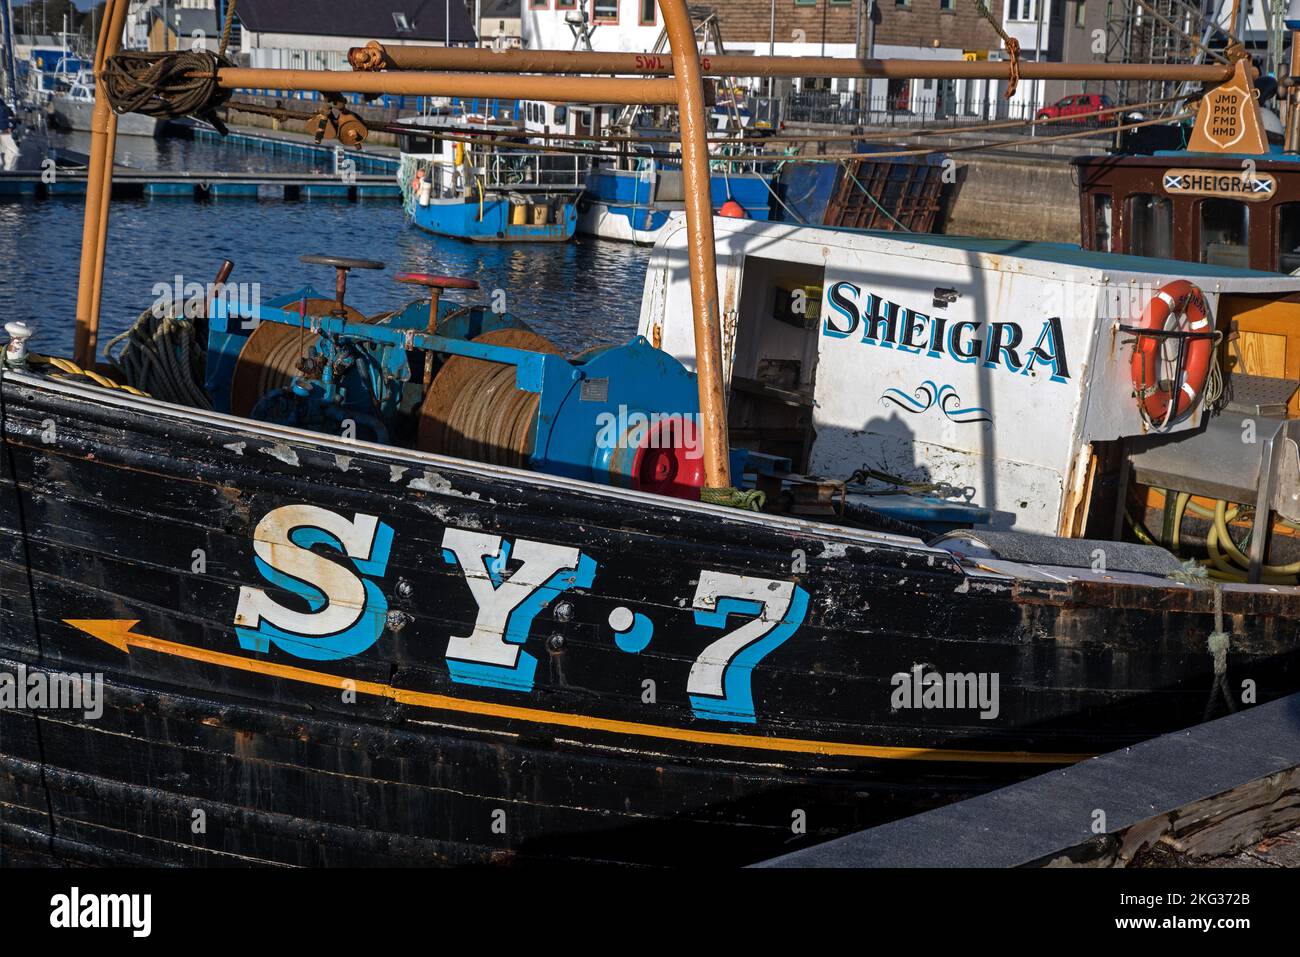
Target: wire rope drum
[
  {"x": 473, "y": 409},
  {"x": 276, "y": 354},
  {"x": 272, "y": 357}
]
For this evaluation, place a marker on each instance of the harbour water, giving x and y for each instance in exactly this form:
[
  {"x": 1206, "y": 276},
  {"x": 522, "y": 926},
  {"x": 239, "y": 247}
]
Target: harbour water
[{"x": 578, "y": 294}]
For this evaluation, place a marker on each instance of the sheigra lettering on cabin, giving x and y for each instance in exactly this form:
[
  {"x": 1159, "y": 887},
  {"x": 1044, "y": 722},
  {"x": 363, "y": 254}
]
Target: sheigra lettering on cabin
[
  {"x": 871, "y": 319},
  {"x": 336, "y": 565}
]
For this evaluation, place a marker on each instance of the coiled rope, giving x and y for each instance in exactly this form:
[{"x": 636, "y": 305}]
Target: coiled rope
[
  {"x": 161, "y": 356},
  {"x": 751, "y": 500},
  {"x": 167, "y": 85}
]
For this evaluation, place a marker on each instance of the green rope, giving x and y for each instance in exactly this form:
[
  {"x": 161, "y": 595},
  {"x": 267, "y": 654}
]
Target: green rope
[
  {"x": 1218, "y": 645},
  {"x": 1192, "y": 572},
  {"x": 749, "y": 499}
]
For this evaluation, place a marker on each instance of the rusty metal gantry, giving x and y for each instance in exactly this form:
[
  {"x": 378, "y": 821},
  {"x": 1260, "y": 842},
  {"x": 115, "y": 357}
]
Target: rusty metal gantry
[{"x": 632, "y": 79}]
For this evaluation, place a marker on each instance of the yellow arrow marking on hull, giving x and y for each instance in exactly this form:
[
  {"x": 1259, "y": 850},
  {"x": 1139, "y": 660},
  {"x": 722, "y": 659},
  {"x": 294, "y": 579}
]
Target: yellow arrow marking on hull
[{"x": 118, "y": 633}]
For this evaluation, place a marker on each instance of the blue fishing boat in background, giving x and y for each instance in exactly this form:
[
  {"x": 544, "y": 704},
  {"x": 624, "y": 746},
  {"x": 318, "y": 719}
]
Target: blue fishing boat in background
[
  {"x": 635, "y": 204},
  {"x": 476, "y": 178},
  {"x": 635, "y": 181}
]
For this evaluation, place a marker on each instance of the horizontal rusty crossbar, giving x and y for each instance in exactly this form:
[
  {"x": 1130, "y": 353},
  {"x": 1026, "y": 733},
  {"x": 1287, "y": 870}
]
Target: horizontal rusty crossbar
[
  {"x": 642, "y": 91},
  {"x": 376, "y": 57}
]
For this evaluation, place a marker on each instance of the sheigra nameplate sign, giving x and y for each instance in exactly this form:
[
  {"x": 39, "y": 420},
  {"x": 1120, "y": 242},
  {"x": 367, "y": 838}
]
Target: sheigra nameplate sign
[{"x": 1252, "y": 187}]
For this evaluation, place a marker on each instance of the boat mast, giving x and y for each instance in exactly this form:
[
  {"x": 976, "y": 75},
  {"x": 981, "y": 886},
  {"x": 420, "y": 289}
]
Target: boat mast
[
  {"x": 99, "y": 189},
  {"x": 10, "y": 67},
  {"x": 375, "y": 56},
  {"x": 693, "y": 119}
]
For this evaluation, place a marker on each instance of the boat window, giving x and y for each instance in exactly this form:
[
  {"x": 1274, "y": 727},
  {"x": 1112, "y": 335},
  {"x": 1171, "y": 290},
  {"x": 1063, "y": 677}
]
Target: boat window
[
  {"x": 561, "y": 115},
  {"x": 1224, "y": 239},
  {"x": 1101, "y": 222},
  {"x": 1288, "y": 234},
  {"x": 1150, "y": 225},
  {"x": 899, "y": 96}
]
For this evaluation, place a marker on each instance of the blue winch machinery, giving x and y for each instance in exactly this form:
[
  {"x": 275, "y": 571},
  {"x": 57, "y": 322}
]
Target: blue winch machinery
[{"x": 459, "y": 380}]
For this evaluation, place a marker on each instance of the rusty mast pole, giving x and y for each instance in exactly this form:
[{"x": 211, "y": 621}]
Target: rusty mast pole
[
  {"x": 560, "y": 89},
  {"x": 700, "y": 242},
  {"x": 645, "y": 89},
  {"x": 103, "y": 137},
  {"x": 1291, "y": 131}
]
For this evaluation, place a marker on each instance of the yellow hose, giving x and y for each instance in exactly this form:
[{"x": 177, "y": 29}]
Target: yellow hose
[
  {"x": 1218, "y": 563},
  {"x": 1180, "y": 504},
  {"x": 69, "y": 367},
  {"x": 1220, "y": 566},
  {"x": 1221, "y": 526}
]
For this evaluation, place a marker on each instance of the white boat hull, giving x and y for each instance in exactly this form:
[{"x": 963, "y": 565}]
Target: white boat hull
[
  {"x": 76, "y": 115},
  {"x": 600, "y": 220}
]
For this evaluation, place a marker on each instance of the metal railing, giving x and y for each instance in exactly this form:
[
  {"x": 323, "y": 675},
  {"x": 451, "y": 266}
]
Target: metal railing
[
  {"x": 508, "y": 169},
  {"x": 858, "y": 109}
]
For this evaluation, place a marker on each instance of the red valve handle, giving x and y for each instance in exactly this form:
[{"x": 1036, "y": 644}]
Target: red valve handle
[{"x": 435, "y": 282}]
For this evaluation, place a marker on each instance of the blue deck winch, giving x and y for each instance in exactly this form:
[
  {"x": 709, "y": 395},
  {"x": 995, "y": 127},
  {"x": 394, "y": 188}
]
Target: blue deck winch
[{"x": 623, "y": 415}]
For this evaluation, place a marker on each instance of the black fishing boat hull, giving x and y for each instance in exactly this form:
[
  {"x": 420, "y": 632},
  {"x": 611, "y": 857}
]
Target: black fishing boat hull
[{"x": 320, "y": 652}]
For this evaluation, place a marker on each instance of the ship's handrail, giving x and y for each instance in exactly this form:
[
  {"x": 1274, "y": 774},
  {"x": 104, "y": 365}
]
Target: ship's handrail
[{"x": 510, "y": 169}]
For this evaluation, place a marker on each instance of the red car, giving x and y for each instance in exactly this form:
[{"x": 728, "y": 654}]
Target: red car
[{"x": 1076, "y": 103}]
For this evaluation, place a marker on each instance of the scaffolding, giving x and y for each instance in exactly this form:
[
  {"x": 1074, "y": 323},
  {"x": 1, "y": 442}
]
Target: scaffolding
[
  {"x": 1165, "y": 32},
  {"x": 708, "y": 38}
]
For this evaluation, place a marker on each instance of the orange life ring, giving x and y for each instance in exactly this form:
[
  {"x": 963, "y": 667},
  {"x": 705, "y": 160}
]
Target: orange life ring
[{"x": 1183, "y": 302}]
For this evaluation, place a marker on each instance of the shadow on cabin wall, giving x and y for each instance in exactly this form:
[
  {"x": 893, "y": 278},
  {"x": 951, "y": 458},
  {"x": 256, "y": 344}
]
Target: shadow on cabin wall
[{"x": 888, "y": 444}]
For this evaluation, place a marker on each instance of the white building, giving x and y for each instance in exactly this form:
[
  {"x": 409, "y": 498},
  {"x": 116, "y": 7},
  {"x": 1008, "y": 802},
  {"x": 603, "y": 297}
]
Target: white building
[
  {"x": 634, "y": 26},
  {"x": 316, "y": 34},
  {"x": 145, "y": 19},
  {"x": 499, "y": 25},
  {"x": 614, "y": 26}
]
